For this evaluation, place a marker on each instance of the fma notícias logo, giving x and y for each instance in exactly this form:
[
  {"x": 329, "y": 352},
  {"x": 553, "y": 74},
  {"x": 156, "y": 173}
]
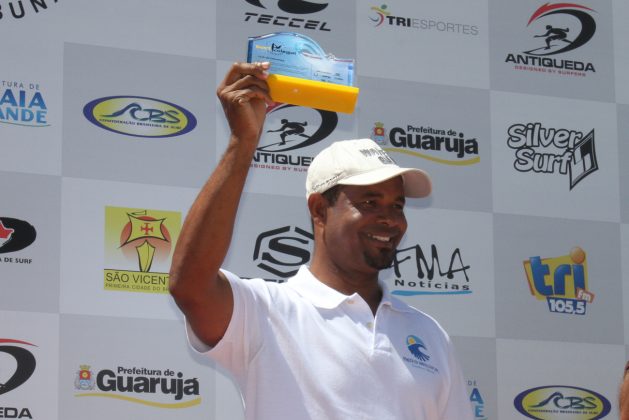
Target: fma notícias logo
[
  {"x": 549, "y": 150},
  {"x": 424, "y": 271}
]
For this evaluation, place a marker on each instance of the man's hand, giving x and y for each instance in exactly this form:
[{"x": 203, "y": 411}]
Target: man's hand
[{"x": 244, "y": 95}]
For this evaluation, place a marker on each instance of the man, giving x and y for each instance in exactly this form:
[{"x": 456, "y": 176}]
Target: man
[
  {"x": 624, "y": 395},
  {"x": 331, "y": 343}
]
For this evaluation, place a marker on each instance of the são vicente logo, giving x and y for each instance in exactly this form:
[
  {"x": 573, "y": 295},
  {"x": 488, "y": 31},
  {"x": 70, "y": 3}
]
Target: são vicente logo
[{"x": 138, "y": 247}]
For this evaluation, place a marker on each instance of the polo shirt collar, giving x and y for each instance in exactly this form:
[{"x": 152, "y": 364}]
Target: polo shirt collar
[{"x": 325, "y": 297}]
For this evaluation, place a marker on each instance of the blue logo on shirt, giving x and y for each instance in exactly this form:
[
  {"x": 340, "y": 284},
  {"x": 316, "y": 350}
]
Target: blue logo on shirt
[{"x": 415, "y": 346}]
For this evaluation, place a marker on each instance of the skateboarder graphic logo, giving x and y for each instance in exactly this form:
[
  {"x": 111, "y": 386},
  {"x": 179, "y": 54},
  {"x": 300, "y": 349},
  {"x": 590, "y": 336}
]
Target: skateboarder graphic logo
[{"x": 562, "y": 38}]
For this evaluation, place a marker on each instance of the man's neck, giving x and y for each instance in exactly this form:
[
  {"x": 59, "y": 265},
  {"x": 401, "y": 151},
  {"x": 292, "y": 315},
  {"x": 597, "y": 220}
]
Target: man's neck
[{"x": 364, "y": 284}]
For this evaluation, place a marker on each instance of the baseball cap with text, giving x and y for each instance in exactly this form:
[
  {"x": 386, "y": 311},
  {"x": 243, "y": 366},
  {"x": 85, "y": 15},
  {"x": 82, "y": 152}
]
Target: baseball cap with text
[{"x": 361, "y": 162}]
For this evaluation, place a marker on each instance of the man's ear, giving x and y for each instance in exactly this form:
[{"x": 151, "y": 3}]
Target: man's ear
[{"x": 317, "y": 205}]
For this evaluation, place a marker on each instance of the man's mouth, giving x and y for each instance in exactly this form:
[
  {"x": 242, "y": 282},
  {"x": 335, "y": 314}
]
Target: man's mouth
[{"x": 380, "y": 238}]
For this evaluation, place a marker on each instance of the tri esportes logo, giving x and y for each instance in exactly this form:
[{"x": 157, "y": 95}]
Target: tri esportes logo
[
  {"x": 381, "y": 17},
  {"x": 298, "y": 17},
  {"x": 555, "y": 30},
  {"x": 289, "y": 129}
]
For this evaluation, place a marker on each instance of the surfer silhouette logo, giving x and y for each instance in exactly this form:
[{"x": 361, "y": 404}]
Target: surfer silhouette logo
[
  {"x": 289, "y": 128},
  {"x": 561, "y": 39}
]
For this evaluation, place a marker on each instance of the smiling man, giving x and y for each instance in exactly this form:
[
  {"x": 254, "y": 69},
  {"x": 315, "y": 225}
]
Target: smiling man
[{"x": 331, "y": 343}]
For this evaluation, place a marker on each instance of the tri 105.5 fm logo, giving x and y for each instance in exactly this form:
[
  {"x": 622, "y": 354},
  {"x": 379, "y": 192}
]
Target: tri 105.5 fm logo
[{"x": 561, "y": 281}]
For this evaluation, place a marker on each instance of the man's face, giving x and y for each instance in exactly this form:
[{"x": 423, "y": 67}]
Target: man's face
[{"x": 365, "y": 225}]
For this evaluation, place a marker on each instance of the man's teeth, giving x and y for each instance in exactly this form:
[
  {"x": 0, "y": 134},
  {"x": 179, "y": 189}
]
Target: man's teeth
[{"x": 380, "y": 238}]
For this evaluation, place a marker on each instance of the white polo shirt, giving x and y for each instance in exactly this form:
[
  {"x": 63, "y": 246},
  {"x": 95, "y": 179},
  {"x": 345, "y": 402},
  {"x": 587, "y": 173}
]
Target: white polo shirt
[{"x": 302, "y": 350}]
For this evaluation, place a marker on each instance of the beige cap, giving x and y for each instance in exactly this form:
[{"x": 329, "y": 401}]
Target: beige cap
[{"x": 361, "y": 162}]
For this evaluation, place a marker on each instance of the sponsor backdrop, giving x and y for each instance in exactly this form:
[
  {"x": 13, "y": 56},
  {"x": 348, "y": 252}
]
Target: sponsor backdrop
[{"x": 109, "y": 126}]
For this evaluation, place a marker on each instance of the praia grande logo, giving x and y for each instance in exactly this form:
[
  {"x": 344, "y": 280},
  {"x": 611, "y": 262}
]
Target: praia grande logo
[
  {"x": 138, "y": 242},
  {"x": 139, "y": 116},
  {"x": 293, "y": 7},
  {"x": 288, "y": 129},
  {"x": 282, "y": 251},
  {"x": 419, "y": 273},
  {"x": 555, "y": 402},
  {"x": 20, "y": 363},
  {"x": 381, "y": 17},
  {"x": 23, "y": 104},
  {"x": 561, "y": 281},
  {"x": 476, "y": 399},
  {"x": 444, "y": 146},
  {"x": 18, "y": 9},
  {"x": 553, "y": 151},
  {"x": 557, "y": 29},
  {"x": 153, "y": 387},
  {"x": 15, "y": 235},
  {"x": 419, "y": 351}
]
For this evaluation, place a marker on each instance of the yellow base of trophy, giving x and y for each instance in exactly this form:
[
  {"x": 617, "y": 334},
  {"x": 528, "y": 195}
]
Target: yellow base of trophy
[{"x": 312, "y": 93}]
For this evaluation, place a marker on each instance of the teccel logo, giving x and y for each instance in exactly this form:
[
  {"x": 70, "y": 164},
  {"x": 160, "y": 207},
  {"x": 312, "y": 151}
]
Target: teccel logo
[
  {"x": 282, "y": 251},
  {"x": 294, "y": 7}
]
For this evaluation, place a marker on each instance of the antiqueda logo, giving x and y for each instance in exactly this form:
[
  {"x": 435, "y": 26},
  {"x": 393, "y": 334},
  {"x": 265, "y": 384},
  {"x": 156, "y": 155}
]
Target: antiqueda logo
[
  {"x": 18, "y": 9},
  {"x": 288, "y": 130},
  {"x": 17, "y": 361},
  {"x": 139, "y": 116},
  {"x": 381, "y": 17},
  {"x": 22, "y": 103},
  {"x": 556, "y": 402},
  {"x": 548, "y": 150},
  {"x": 439, "y": 145},
  {"x": 561, "y": 281},
  {"x": 160, "y": 388},
  {"x": 138, "y": 243},
  {"x": 300, "y": 8},
  {"x": 557, "y": 29}
]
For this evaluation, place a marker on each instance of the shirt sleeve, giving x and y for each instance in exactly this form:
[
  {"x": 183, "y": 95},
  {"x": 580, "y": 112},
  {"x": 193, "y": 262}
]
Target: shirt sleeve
[{"x": 243, "y": 337}]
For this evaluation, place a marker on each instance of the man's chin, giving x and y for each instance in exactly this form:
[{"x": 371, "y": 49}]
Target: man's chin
[{"x": 381, "y": 262}]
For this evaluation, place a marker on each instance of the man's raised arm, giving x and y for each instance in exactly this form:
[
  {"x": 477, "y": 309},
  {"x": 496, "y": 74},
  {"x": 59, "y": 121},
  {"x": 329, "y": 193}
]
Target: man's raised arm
[{"x": 202, "y": 293}]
